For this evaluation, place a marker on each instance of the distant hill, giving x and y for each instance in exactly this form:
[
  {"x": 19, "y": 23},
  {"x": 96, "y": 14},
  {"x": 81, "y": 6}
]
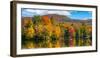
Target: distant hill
[
  {"x": 62, "y": 18},
  {"x": 57, "y": 17},
  {"x": 88, "y": 21}
]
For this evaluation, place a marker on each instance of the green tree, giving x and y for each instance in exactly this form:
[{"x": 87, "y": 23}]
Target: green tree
[{"x": 36, "y": 19}]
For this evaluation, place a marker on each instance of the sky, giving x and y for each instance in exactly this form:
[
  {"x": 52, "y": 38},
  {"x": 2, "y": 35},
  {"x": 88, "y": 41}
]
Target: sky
[{"x": 73, "y": 14}]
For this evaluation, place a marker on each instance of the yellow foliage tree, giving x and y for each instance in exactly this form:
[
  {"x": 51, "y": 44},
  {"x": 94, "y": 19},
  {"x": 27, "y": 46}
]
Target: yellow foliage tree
[
  {"x": 28, "y": 29},
  {"x": 49, "y": 29},
  {"x": 57, "y": 31},
  {"x": 29, "y": 32}
]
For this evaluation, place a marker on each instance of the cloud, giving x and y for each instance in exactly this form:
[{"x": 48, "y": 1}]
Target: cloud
[
  {"x": 44, "y": 12},
  {"x": 30, "y": 10},
  {"x": 86, "y": 18},
  {"x": 59, "y": 12},
  {"x": 38, "y": 12}
]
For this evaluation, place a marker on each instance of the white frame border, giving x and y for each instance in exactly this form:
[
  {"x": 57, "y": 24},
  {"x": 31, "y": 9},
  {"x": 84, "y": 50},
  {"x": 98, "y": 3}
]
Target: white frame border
[{"x": 51, "y": 50}]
